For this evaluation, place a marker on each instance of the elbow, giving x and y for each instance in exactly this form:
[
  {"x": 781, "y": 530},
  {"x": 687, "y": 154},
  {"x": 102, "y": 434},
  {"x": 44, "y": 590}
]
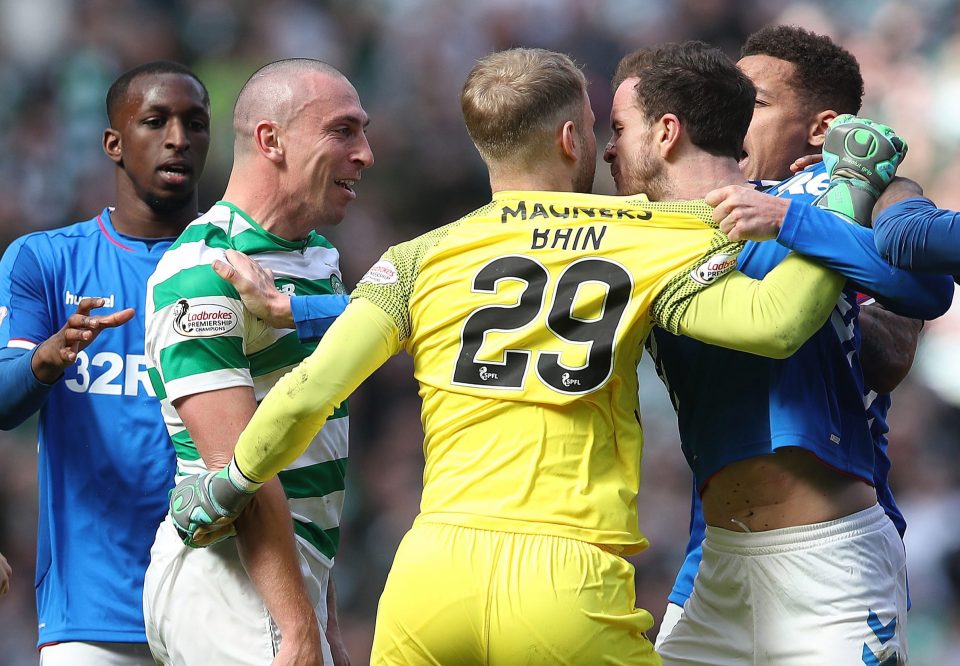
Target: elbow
[
  {"x": 890, "y": 248},
  {"x": 785, "y": 347},
  {"x": 791, "y": 335},
  {"x": 783, "y": 343},
  {"x": 10, "y": 421},
  {"x": 941, "y": 298},
  {"x": 885, "y": 384}
]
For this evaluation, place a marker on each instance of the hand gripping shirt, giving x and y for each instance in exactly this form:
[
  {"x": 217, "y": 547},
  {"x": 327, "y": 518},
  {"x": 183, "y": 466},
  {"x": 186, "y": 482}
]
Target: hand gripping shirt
[
  {"x": 201, "y": 338},
  {"x": 526, "y": 320},
  {"x": 105, "y": 463}
]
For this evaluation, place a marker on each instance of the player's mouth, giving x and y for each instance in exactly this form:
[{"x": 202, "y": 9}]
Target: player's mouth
[
  {"x": 175, "y": 172},
  {"x": 347, "y": 184},
  {"x": 743, "y": 160}
]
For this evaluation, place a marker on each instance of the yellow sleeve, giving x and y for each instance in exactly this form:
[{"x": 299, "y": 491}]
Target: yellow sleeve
[
  {"x": 770, "y": 317},
  {"x": 358, "y": 342}
]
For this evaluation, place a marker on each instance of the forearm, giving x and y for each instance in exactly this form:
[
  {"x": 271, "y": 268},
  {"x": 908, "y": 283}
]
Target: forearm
[
  {"x": 850, "y": 250},
  {"x": 359, "y": 342},
  {"x": 313, "y": 315},
  {"x": 334, "y": 638},
  {"x": 916, "y": 235},
  {"x": 771, "y": 317},
  {"x": 888, "y": 346},
  {"x": 23, "y": 394},
  {"x": 268, "y": 551}
]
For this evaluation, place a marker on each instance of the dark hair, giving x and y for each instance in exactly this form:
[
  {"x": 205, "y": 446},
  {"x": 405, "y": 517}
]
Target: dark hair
[
  {"x": 700, "y": 85},
  {"x": 826, "y": 75},
  {"x": 118, "y": 90},
  {"x": 630, "y": 65}
]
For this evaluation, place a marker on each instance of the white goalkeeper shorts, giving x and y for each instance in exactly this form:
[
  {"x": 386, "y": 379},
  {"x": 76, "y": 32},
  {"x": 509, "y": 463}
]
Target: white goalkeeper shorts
[
  {"x": 830, "y": 593},
  {"x": 201, "y": 608},
  {"x": 80, "y": 653}
]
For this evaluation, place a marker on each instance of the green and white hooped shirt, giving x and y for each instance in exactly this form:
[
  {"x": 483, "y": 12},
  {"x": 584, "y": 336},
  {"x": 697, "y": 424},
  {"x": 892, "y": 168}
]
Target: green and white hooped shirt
[{"x": 199, "y": 338}]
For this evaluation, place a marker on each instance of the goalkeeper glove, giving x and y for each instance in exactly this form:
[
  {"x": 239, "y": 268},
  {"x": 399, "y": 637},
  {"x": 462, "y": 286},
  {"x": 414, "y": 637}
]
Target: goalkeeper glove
[
  {"x": 204, "y": 506},
  {"x": 861, "y": 158}
]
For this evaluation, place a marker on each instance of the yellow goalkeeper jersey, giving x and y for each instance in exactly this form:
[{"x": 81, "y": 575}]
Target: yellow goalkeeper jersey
[{"x": 526, "y": 320}]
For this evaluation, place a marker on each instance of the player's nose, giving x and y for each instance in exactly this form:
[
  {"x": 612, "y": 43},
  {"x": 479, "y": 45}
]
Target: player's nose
[
  {"x": 177, "y": 136},
  {"x": 609, "y": 152}
]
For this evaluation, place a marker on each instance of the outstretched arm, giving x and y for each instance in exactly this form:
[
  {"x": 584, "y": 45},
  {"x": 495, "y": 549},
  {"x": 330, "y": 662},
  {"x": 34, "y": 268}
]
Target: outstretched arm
[
  {"x": 26, "y": 375},
  {"x": 359, "y": 342},
  {"x": 772, "y": 317},
  {"x": 849, "y": 249},
  {"x": 914, "y": 234}
]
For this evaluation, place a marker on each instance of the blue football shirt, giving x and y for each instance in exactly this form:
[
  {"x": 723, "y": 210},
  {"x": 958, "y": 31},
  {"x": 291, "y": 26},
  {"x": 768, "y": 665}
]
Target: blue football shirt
[
  {"x": 815, "y": 399},
  {"x": 105, "y": 460}
]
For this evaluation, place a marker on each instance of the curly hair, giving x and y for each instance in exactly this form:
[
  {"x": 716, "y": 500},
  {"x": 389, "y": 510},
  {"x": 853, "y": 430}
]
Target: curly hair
[{"x": 826, "y": 75}]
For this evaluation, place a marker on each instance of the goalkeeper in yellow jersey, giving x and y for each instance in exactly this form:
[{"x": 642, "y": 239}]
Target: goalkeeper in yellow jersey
[{"x": 526, "y": 321}]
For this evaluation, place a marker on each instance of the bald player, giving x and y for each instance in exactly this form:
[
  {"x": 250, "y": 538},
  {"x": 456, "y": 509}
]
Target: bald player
[{"x": 263, "y": 597}]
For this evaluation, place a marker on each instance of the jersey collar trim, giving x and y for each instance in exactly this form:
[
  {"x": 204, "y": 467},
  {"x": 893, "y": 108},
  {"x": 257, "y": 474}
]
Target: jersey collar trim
[{"x": 106, "y": 227}]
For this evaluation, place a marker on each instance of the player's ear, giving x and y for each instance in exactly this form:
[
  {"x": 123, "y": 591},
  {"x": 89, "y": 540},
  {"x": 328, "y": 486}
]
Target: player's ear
[
  {"x": 569, "y": 138},
  {"x": 267, "y": 139},
  {"x": 818, "y": 127},
  {"x": 667, "y": 134},
  {"x": 112, "y": 145}
]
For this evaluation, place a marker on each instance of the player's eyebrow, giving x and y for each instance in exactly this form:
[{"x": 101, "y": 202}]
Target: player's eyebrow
[
  {"x": 352, "y": 119},
  {"x": 167, "y": 109}
]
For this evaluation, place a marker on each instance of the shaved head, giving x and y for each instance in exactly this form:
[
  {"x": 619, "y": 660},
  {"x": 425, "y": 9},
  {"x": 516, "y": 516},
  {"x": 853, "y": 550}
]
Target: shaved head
[{"x": 277, "y": 92}]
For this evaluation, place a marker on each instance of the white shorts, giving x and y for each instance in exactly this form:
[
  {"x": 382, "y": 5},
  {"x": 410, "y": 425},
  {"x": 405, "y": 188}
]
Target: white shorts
[
  {"x": 830, "y": 593},
  {"x": 79, "y": 653},
  {"x": 201, "y": 608},
  {"x": 670, "y": 618}
]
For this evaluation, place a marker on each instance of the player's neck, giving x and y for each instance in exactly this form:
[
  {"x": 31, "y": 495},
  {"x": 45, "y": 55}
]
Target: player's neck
[
  {"x": 693, "y": 178},
  {"x": 531, "y": 180},
  {"x": 133, "y": 217}
]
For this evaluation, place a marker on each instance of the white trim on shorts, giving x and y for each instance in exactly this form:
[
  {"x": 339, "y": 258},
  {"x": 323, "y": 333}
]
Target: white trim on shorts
[{"x": 96, "y": 653}]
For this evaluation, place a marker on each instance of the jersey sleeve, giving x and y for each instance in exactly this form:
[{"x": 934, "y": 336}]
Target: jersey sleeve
[
  {"x": 26, "y": 319},
  {"x": 772, "y": 317},
  {"x": 287, "y": 420},
  {"x": 21, "y": 292},
  {"x": 389, "y": 283},
  {"x": 851, "y": 250},
  {"x": 719, "y": 259},
  {"x": 313, "y": 315},
  {"x": 916, "y": 235},
  {"x": 195, "y": 335}
]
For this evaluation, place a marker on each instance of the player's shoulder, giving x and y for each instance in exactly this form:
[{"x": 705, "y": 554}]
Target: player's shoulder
[
  {"x": 804, "y": 185},
  {"x": 212, "y": 229},
  {"x": 192, "y": 253},
  {"x": 49, "y": 243}
]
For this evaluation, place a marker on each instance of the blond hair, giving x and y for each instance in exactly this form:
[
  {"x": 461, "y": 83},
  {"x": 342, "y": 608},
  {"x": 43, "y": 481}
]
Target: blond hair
[{"x": 512, "y": 101}]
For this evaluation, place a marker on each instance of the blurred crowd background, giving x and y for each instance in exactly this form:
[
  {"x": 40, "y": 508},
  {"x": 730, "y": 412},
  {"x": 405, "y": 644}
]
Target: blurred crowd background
[{"x": 408, "y": 59}]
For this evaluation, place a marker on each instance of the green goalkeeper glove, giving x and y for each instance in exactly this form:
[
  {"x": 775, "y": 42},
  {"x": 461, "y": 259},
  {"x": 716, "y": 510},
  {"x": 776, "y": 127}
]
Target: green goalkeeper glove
[
  {"x": 861, "y": 157},
  {"x": 204, "y": 506}
]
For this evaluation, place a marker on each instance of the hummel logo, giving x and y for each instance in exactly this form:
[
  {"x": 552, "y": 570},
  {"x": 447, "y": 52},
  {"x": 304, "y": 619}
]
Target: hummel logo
[{"x": 74, "y": 299}]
